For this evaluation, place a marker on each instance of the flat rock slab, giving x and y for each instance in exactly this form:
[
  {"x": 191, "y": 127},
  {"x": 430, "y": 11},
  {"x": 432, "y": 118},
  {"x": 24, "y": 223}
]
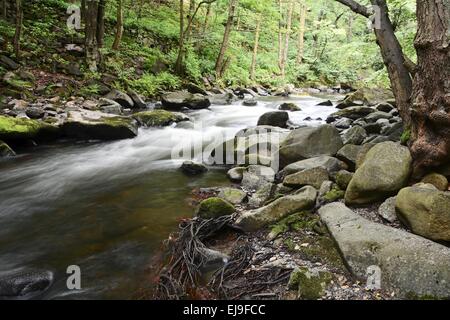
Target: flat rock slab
[{"x": 410, "y": 265}]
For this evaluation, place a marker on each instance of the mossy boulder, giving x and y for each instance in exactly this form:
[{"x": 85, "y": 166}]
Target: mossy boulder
[
  {"x": 343, "y": 179},
  {"x": 334, "y": 194},
  {"x": 310, "y": 283},
  {"x": 355, "y": 135},
  {"x": 214, "y": 207},
  {"x": 425, "y": 210},
  {"x": 437, "y": 180},
  {"x": 296, "y": 222},
  {"x": 385, "y": 170},
  {"x": 18, "y": 130},
  {"x": 5, "y": 150},
  {"x": 232, "y": 195},
  {"x": 158, "y": 118},
  {"x": 94, "y": 125}
]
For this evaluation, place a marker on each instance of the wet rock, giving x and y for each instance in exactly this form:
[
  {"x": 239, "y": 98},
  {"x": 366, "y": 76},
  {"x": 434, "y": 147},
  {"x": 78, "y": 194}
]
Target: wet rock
[
  {"x": 121, "y": 98},
  {"x": 385, "y": 170},
  {"x": 426, "y": 211},
  {"x": 326, "y": 103},
  {"x": 22, "y": 130},
  {"x": 34, "y": 112},
  {"x": 372, "y": 128},
  {"x": 182, "y": 99},
  {"x": 236, "y": 174},
  {"x": 159, "y": 118},
  {"x": 25, "y": 284},
  {"x": 308, "y": 142},
  {"x": 313, "y": 177},
  {"x": 387, "y": 210},
  {"x": 6, "y": 151},
  {"x": 95, "y": 125},
  {"x": 214, "y": 207},
  {"x": 255, "y": 219},
  {"x": 274, "y": 118},
  {"x": 410, "y": 265},
  {"x": 222, "y": 99},
  {"x": 138, "y": 102},
  {"x": 250, "y": 103},
  {"x": 232, "y": 195},
  {"x": 437, "y": 180},
  {"x": 192, "y": 168},
  {"x": 289, "y": 106}
]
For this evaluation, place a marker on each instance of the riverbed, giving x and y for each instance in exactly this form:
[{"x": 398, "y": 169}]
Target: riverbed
[{"x": 106, "y": 207}]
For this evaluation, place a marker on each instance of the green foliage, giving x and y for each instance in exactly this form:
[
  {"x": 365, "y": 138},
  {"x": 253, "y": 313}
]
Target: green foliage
[
  {"x": 405, "y": 137},
  {"x": 150, "y": 85}
]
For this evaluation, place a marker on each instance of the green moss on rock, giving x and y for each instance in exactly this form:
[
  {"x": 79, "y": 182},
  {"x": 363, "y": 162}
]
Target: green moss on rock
[
  {"x": 298, "y": 221},
  {"x": 311, "y": 283},
  {"x": 19, "y": 129},
  {"x": 214, "y": 207},
  {"x": 334, "y": 194},
  {"x": 158, "y": 118}
]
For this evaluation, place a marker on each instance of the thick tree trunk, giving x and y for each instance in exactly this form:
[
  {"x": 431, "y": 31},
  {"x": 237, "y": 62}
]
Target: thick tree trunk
[
  {"x": 301, "y": 34},
  {"x": 219, "y": 68},
  {"x": 101, "y": 23},
  {"x": 83, "y": 11},
  {"x": 119, "y": 26},
  {"x": 92, "y": 52},
  {"x": 255, "y": 49},
  {"x": 430, "y": 121},
  {"x": 18, "y": 33}
]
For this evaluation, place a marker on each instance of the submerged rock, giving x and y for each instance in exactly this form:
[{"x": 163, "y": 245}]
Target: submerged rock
[
  {"x": 289, "y": 106},
  {"x": 385, "y": 170},
  {"x": 25, "y": 284},
  {"x": 252, "y": 220},
  {"x": 426, "y": 211},
  {"x": 250, "y": 103},
  {"x": 308, "y": 142},
  {"x": 214, "y": 207},
  {"x": 192, "y": 168},
  {"x": 410, "y": 265}
]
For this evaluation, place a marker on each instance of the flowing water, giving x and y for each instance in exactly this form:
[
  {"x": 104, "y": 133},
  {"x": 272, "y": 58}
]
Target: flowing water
[{"x": 106, "y": 207}]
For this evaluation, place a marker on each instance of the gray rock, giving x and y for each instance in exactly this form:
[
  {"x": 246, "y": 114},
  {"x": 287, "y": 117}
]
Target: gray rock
[
  {"x": 349, "y": 154},
  {"x": 289, "y": 107},
  {"x": 385, "y": 170},
  {"x": 232, "y": 195},
  {"x": 257, "y": 176},
  {"x": 26, "y": 284},
  {"x": 309, "y": 142},
  {"x": 250, "y": 103},
  {"x": 354, "y": 135},
  {"x": 411, "y": 266},
  {"x": 353, "y": 113},
  {"x": 183, "y": 99},
  {"x": 313, "y": 177},
  {"x": 236, "y": 174},
  {"x": 387, "y": 210},
  {"x": 121, "y": 98},
  {"x": 192, "y": 168},
  {"x": 385, "y": 107},
  {"x": 332, "y": 165},
  {"x": 343, "y": 179},
  {"x": 139, "y": 103},
  {"x": 343, "y": 123},
  {"x": 252, "y": 220},
  {"x": 34, "y": 112},
  {"x": 274, "y": 118},
  {"x": 377, "y": 115},
  {"x": 261, "y": 196}
]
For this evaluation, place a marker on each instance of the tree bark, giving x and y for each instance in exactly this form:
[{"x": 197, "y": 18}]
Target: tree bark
[
  {"x": 119, "y": 26},
  {"x": 280, "y": 35},
  {"x": 430, "y": 121},
  {"x": 255, "y": 49},
  {"x": 301, "y": 34},
  {"x": 92, "y": 52},
  {"x": 226, "y": 37},
  {"x": 18, "y": 33},
  {"x": 101, "y": 23},
  {"x": 83, "y": 11}
]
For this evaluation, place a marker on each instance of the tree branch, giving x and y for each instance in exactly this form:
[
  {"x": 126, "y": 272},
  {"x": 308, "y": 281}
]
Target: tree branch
[
  {"x": 410, "y": 65},
  {"x": 356, "y": 7}
]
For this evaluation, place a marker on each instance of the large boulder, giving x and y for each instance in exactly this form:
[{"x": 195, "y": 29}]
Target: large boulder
[
  {"x": 159, "y": 118},
  {"x": 313, "y": 177},
  {"x": 409, "y": 265},
  {"x": 368, "y": 96},
  {"x": 94, "y": 125},
  {"x": 385, "y": 170},
  {"x": 289, "y": 106},
  {"x": 349, "y": 154},
  {"x": 183, "y": 99},
  {"x": 309, "y": 142},
  {"x": 252, "y": 220},
  {"x": 121, "y": 98},
  {"x": 214, "y": 207},
  {"x": 426, "y": 211},
  {"x": 274, "y": 118},
  {"x": 19, "y": 130},
  {"x": 353, "y": 113}
]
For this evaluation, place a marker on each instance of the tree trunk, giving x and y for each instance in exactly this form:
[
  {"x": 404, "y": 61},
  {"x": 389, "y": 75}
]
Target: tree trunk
[
  {"x": 207, "y": 18},
  {"x": 284, "y": 56},
  {"x": 4, "y": 9},
  {"x": 101, "y": 23},
  {"x": 179, "y": 63},
  {"x": 190, "y": 16},
  {"x": 119, "y": 27},
  {"x": 255, "y": 49},
  {"x": 92, "y": 53},
  {"x": 18, "y": 33},
  {"x": 430, "y": 121},
  {"x": 83, "y": 11},
  {"x": 226, "y": 37},
  {"x": 301, "y": 34},
  {"x": 280, "y": 35}
]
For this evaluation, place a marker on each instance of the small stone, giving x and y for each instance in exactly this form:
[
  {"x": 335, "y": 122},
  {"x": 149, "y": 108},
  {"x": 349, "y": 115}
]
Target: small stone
[{"x": 192, "y": 168}]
